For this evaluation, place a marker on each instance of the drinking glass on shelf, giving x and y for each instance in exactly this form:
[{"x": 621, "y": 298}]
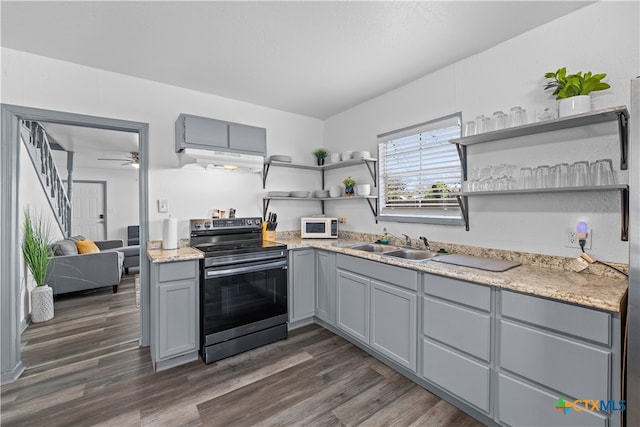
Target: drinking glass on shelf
[
  {"x": 560, "y": 175},
  {"x": 511, "y": 180},
  {"x": 541, "y": 175},
  {"x": 473, "y": 180},
  {"x": 579, "y": 174},
  {"x": 525, "y": 181},
  {"x": 602, "y": 173},
  {"x": 518, "y": 116},
  {"x": 470, "y": 128},
  {"x": 499, "y": 120},
  {"x": 486, "y": 179},
  {"x": 482, "y": 124}
]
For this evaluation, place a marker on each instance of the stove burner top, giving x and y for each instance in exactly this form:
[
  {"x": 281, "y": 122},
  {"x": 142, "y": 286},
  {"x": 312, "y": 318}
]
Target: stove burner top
[{"x": 221, "y": 237}]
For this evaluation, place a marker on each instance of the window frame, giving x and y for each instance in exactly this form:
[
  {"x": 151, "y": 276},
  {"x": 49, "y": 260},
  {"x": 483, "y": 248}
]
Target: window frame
[{"x": 426, "y": 217}]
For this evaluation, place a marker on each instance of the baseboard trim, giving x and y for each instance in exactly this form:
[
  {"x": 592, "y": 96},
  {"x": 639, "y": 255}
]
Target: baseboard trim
[
  {"x": 25, "y": 323},
  {"x": 12, "y": 375}
]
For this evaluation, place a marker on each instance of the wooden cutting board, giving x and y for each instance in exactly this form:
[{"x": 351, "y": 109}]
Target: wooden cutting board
[{"x": 481, "y": 263}]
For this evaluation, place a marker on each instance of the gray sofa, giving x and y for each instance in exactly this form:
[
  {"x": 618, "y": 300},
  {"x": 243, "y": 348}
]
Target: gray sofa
[{"x": 70, "y": 271}]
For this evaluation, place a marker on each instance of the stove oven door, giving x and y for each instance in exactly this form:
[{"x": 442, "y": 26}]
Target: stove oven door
[{"x": 240, "y": 299}]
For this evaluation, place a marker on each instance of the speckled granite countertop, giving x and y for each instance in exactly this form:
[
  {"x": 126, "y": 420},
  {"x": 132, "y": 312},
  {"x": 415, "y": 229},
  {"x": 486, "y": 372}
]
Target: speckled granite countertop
[
  {"x": 173, "y": 255},
  {"x": 590, "y": 290}
]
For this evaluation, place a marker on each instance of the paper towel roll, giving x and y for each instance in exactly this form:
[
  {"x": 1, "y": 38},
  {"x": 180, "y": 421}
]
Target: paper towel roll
[{"x": 170, "y": 233}]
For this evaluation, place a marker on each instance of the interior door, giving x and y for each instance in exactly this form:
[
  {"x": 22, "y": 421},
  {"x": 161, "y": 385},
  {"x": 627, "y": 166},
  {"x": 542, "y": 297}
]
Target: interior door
[{"x": 88, "y": 210}]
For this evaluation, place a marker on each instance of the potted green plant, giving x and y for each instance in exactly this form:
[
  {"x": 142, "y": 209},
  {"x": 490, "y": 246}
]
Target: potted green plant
[
  {"x": 349, "y": 183},
  {"x": 573, "y": 90},
  {"x": 37, "y": 253},
  {"x": 320, "y": 154}
]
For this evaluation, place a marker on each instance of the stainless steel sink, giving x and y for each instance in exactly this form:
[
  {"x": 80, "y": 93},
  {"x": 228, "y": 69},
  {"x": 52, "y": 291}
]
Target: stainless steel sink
[
  {"x": 373, "y": 247},
  {"x": 411, "y": 254}
]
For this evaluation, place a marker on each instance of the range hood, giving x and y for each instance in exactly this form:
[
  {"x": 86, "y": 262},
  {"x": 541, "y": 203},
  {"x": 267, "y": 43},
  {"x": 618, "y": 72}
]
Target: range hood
[{"x": 228, "y": 160}]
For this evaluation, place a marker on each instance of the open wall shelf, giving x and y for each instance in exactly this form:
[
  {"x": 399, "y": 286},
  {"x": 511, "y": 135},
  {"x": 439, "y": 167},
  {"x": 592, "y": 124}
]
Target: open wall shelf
[{"x": 619, "y": 114}]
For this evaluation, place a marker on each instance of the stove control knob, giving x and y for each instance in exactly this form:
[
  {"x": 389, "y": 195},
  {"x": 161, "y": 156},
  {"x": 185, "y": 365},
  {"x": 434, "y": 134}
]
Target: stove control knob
[
  {"x": 207, "y": 224},
  {"x": 257, "y": 221},
  {"x": 197, "y": 226},
  {"x": 249, "y": 221}
]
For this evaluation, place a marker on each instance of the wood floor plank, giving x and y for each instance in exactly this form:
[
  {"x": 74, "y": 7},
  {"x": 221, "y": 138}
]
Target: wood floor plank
[{"x": 84, "y": 368}]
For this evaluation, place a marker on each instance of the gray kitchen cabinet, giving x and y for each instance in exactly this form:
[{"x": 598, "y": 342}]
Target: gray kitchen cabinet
[
  {"x": 211, "y": 134},
  {"x": 325, "y": 286},
  {"x": 174, "y": 313},
  {"x": 394, "y": 319},
  {"x": 377, "y": 305},
  {"x": 352, "y": 302},
  {"x": 456, "y": 341},
  {"x": 301, "y": 284},
  {"x": 549, "y": 350},
  {"x": 249, "y": 139}
]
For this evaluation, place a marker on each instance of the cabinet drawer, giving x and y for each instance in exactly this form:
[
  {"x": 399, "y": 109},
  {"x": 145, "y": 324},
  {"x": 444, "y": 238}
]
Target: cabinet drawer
[
  {"x": 380, "y": 271},
  {"x": 458, "y": 327},
  {"x": 471, "y": 294},
  {"x": 579, "y": 321},
  {"x": 456, "y": 374},
  {"x": 521, "y": 404},
  {"x": 567, "y": 366},
  {"x": 170, "y": 271}
]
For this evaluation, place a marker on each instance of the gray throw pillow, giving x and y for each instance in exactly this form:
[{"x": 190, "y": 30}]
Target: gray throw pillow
[{"x": 65, "y": 247}]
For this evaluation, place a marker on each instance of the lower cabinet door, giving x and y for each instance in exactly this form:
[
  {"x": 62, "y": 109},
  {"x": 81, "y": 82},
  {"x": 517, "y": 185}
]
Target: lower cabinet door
[
  {"x": 457, "y": 374},
  {"x": 393, "y": 323},
  {"x": 325, "y": 286},
  {"x": 177, "y": 325},
  {"x": 353, "y": 305},
  {"x": 521, "y": 404}
]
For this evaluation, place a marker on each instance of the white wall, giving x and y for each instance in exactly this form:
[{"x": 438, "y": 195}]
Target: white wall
[
  {"x": 41, "y": 82},
  {"x": 603, "y": 37},
  {"x": 31, "y": 196},
  {"x": 122, "y": 197}
]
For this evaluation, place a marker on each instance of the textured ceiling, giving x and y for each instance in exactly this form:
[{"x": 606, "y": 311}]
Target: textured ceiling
[{"x": 311, "y": 58}]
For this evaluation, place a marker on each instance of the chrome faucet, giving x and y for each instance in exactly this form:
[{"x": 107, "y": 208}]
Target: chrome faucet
[
  {"x": 407, "y": 241},
  {"x": 426, "y": 242}
]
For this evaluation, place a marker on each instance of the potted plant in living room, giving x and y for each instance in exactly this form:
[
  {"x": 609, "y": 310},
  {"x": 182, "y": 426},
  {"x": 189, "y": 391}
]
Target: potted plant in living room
[
  {"x": 320, "y": 154},
  {"x": 37, "y": 253},
  {"x": 349, "y": 183},
  {"x": 573, "y": 90}
]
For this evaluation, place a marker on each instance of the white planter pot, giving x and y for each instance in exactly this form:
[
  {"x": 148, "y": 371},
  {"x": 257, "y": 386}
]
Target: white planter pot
[
  {"x": 41, "y": 304},
  {"x": 574, "y": 105}
]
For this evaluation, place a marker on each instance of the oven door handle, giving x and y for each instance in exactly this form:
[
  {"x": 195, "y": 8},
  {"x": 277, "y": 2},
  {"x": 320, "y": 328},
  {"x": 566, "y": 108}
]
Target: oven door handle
[{"x": 248, "y": 269}]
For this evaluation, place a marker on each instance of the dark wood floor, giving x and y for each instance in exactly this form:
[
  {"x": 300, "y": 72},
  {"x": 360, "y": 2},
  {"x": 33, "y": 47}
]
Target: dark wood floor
[{"x": 85, "y": 368}]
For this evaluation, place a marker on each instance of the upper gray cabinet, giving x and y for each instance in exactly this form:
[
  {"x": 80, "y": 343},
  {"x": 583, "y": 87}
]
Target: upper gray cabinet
[{"x": 211, "y": 134}]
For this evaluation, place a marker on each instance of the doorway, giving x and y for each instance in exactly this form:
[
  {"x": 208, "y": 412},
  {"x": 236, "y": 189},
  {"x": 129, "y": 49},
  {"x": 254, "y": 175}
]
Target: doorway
[
  {"x": 89, "y": 209},
  {"x": 10, "y": 346}
]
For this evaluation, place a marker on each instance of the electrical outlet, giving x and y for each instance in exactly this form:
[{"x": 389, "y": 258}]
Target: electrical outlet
[
  {"x": 571, "y": 239},
  {"x": 163, "y": 206},
  {"x": 343, "y": 220}
]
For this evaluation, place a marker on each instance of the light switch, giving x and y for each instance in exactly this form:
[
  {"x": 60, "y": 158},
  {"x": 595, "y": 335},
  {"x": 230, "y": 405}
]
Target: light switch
[{"x": 163, "y": 206}]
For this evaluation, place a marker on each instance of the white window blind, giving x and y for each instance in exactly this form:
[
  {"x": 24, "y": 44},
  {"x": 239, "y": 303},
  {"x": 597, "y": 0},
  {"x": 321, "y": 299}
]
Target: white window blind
[{"x": 419, "y": 172}]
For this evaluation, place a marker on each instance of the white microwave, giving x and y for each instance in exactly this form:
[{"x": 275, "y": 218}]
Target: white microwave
[{"x": 319, "y": 228}]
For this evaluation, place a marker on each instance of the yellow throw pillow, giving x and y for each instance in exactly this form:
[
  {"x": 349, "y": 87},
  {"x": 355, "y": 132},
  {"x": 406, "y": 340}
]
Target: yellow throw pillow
[{"x": 87, "y": 247}]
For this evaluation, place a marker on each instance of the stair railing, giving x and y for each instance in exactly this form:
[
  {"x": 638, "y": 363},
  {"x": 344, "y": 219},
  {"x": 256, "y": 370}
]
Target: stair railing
[{"x": 39, "y": 149}]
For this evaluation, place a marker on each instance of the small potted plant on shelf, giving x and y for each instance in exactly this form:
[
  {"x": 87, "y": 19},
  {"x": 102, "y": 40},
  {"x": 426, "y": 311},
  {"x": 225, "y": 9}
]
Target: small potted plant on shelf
[
  {"x": 320, "y": 154},
  {"x": 349, "y": 183},
  {"x": 37, "y": 253},
  {"x": 573, "y": 90}
]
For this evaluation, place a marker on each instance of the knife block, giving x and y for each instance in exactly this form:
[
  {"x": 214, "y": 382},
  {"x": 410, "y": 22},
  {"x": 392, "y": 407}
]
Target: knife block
[{"x": 268, "y": 235}]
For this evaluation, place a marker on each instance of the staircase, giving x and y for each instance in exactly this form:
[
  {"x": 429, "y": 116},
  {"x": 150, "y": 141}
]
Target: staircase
[{"x": 39, "y": 149}]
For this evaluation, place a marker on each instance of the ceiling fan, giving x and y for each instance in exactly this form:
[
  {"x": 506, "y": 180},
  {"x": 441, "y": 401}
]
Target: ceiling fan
[{"x": 132, "y": 159}]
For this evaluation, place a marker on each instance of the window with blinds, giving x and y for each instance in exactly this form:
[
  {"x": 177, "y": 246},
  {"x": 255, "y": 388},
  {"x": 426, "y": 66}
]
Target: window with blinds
[{"x": 419, "y": 172}]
